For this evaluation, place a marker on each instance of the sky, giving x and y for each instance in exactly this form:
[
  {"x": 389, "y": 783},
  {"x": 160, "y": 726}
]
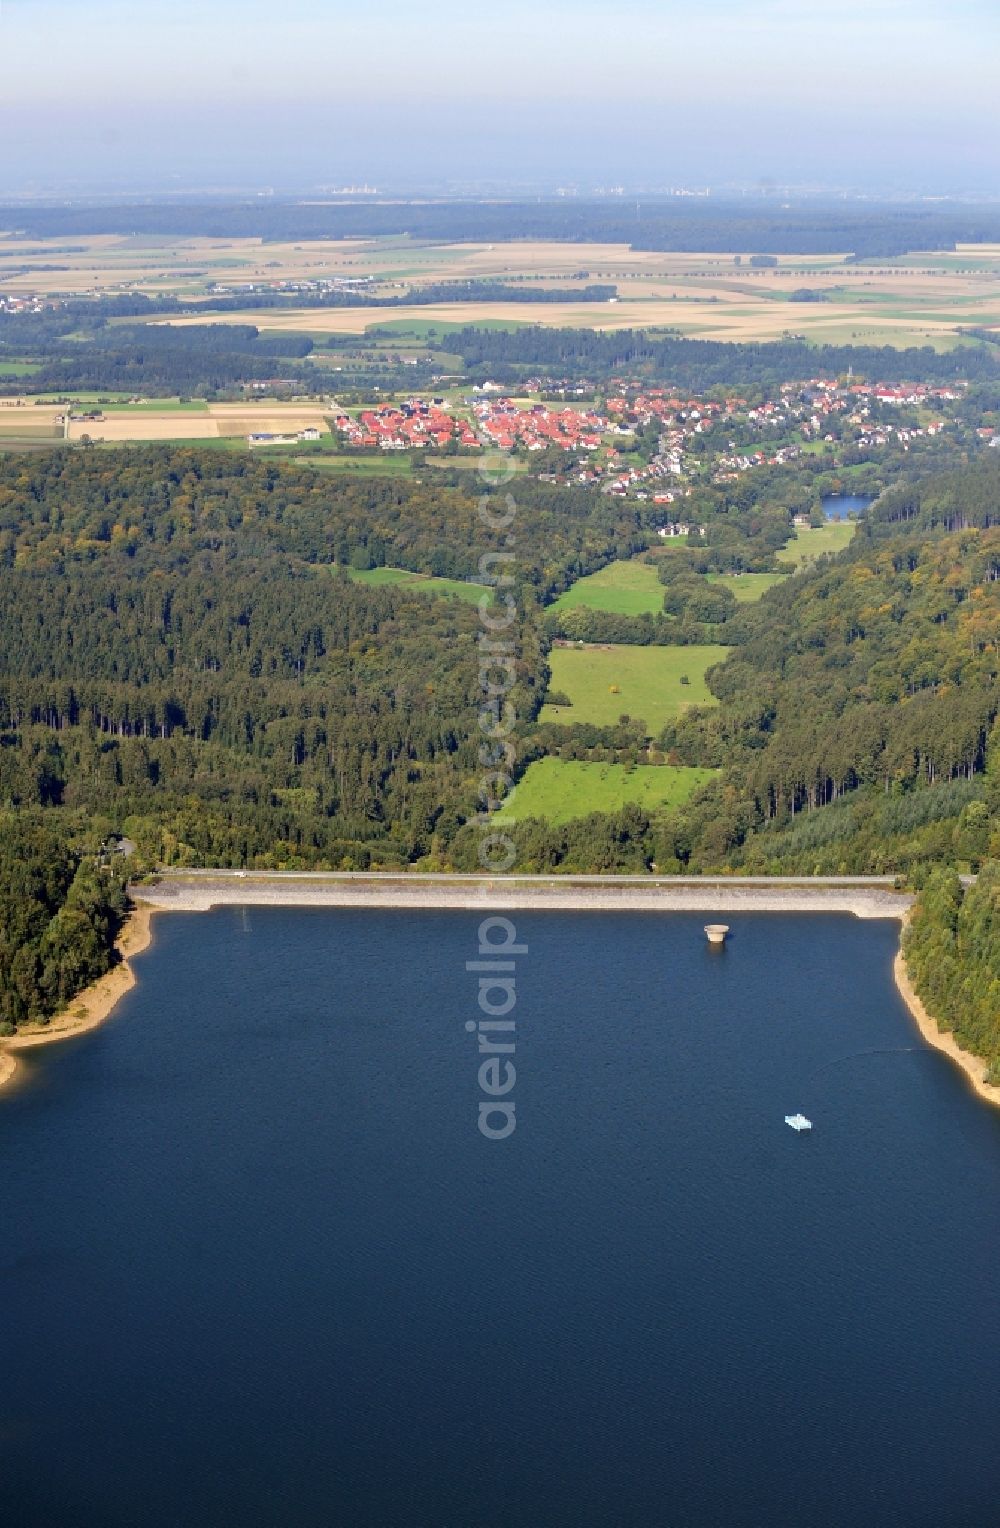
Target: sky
[{"x": 175, "y": 94}]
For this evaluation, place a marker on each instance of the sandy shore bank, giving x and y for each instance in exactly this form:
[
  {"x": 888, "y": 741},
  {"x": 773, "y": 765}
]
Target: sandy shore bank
[
  {"x": 974, "y": 1067},
  {"x": 90, "y": 1007},
  {"x": 515, "y": 893}
]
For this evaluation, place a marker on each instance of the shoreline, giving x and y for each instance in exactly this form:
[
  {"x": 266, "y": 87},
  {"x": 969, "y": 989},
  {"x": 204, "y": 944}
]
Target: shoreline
[
  {"x": 98, "y": 1000},
  {"x": 942, "y": 1040}
]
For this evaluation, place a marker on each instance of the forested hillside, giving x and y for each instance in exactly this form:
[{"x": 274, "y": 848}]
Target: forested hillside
[
  {"x": 59, "y": 914},
  {"x": 179, "y": 645},
  {"x": 185, "y": 658},
  {"x": 180, "y": 653},
  {"x": 953, "y": 951}
]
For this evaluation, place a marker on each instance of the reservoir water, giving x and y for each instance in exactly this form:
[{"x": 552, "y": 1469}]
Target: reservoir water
[
  {"x": 259, "y": 1266},
  {"x": 843, "y": 506}
]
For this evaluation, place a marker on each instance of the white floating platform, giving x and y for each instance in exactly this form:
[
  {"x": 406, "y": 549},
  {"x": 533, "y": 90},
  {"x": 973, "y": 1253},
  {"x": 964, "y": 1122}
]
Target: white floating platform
[{"x": 798, "y": 1122}]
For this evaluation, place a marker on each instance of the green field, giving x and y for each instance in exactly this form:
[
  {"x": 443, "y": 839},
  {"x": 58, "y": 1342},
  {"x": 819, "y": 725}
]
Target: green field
[
  {"x": 420, "y": 328},
  {"x": 384, "y": 464},
  {"x": 158, "y": 406},
  {"x": 746, "y": 588},
  {"x": 808, "y": 544},
  {"x": 472, "y": 463},
  {"x": 232, "y": 443},
  {"x": 421, "y": 583},
  {"x": 623, "y": 588},
  {"x": 559, "y": 790},
  {"x": 19, "y": 368},
  {"x": 604, "y": 683}
]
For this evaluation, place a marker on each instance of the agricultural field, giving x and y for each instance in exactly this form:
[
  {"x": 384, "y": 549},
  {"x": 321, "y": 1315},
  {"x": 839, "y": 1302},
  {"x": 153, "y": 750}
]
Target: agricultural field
[
  {"x": 700, "y": 295},
  {"x": 559, "y": 790},
  {"x": 424, "y": 329},
  {"x": 178, "y": 421},
  {"x": 145, "y": 406},
  {"x": 917, "y": 299},
  {"x": 606, "y": 682},
  {"x": 512, "y": 464},
  {"x": 811, "y": 542},
  {"x": 24, "y": 421},
  {"x": 627, "y": 587},
  {"x": 421, "y": 583},
  {"x": 29, "y": 429},
  {"x": 164, "y": 420},
  {"x": 757, "y": 319},
  {"x": 746, "y": 588}
]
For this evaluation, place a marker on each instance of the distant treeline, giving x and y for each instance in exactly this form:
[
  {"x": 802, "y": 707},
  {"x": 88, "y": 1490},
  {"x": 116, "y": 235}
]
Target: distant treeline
[
  {"x": 435, "y": 292},
  {"x": 942, "y": 501},
  {"x": 646, "y": 223},
  {"x": 138, "y": 305},
  {"x": 77, "y": 347},
  {"x": 699, "y": 364},
  {"x": 87, "y": 345},
  {"x": 506, "y": 291}
]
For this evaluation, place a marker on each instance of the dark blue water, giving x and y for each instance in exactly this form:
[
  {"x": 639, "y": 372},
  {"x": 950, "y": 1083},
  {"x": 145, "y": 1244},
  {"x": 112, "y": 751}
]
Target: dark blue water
[
  {"x": 260, "y": 1268},
  {"x": 843, "y": 506}
]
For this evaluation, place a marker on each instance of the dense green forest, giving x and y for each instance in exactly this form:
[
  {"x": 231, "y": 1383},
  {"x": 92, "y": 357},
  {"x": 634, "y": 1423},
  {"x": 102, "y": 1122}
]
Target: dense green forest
[
  {"x": 59, "y": 914},
  {"x": 953, "y": 951},
  {"x": 76, "y": 346},
  {"x": 696, "y": 365},
  {"x": 184, "y": 658},
  {"x": 175, "y": 616},
  {"x": 649, "y": 223},
  {"x": 179, "y": 650}
]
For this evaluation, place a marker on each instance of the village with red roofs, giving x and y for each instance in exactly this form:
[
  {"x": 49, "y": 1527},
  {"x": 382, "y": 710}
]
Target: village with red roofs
[{"x": 632, "y": 440}]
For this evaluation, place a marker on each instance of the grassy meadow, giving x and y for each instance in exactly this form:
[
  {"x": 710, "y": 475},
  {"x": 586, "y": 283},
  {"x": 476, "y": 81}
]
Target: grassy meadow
[
  {"x": 746, "y": 588},
  {"x": 604, "y": 683},
  {"x": 381, "y": 464},
  {"x": 811, "y": 542},
  {"x": 623, "y": 588},
  {"x": 421, "y": 583},
  {"x": 559, "y": 790},
  {"x": 157, "y": 406}
]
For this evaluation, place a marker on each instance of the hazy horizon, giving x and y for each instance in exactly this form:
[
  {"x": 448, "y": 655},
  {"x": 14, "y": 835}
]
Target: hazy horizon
[{"x": 883, "y": 97}]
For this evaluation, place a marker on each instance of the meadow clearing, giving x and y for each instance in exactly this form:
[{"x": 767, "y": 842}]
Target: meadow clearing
[
  {"x": 559, "y": 790},
  {"x": 355, "y": 464},
  {"x": 606, "y": 682},
  {"x": 631, "y": 587},
  {"x": 746, "y": 588},
  {"x": 626, "y": 587},
  {"x": 420, "y": 583},
  {"x": 810, "y": 542}
]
